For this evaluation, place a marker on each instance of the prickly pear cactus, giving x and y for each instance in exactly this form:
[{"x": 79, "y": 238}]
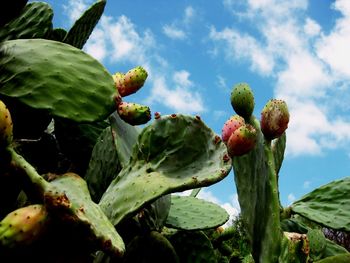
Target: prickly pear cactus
[
  {"x": 163, "y": 161},
  {"x": 57, "y": 77},
  {"x": 190, "y": 213}
]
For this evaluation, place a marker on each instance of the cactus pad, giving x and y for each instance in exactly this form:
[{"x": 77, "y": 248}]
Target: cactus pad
[
  {"x": 34, "y": 21},
  {"x": 190, "y": 213},
  {"x": 57, "y": 77},
  {"x": 327, "y": 205},
  {"x": 175, "y": 153},
  {"x": 82, "y": 28}
]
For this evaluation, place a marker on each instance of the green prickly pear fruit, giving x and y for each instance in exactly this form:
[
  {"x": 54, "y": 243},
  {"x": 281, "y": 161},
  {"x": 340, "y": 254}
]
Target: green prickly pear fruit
[
  {"x": 242, "y": 100},
  {"x": 130, "y": 82},
  {"x": 134, "y": 114},
  {"x": 23, "y": 226},
  {"x": 274, "y": 119},
  {"x": 230, "y": 126},
  {"x": 242, "y": 140},
  {"x": 6, "y": 126}
]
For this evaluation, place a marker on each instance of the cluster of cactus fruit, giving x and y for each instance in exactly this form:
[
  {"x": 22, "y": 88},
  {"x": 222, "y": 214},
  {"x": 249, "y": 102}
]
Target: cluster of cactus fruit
[{"x": 80, "y": 183}]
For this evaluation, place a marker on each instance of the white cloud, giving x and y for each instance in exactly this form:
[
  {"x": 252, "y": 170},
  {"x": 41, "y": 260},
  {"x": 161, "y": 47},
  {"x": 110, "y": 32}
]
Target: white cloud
[
  {"x": 308, "y": 66},
  {"x": 311, "y": 27},
  {"x": 180, "y": 98},
  {"x": 291, "y": 198},
  {"x": 174, "y": 32},
  {"x": 306, "y": 184},
  {"x": 119, "y": 40},
  {"x": 75, "y": 8},
  {"x": 179, "y": 29}
]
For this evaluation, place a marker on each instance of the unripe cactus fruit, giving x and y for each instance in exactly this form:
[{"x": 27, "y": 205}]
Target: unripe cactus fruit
[
  {"x": 130, "y": 82},
  {"x": 242, "y": 100},
  {"x": 230, "y": 126},
  {"x": 274, "y": 119},
  {"x": 134, "y": 114},
  {"x": 6, "y": 126},
  {"x": 242, "y": 140},
  {"x": 23, "y": 225}
]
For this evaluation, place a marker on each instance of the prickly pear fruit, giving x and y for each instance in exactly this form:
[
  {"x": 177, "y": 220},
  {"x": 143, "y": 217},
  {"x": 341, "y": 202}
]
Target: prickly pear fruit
[
  {"x": 274, "y": 119},
  {"x": 6, "y": 126},
  {"x": 242, "y": 140},
  {"x": 23, "y": 226},
  {"x": 242, "y": 100},
  {"x": 130, "y": 82},
  {"x": 134, "y": 114},
  {"x": 230, "y": 126}
]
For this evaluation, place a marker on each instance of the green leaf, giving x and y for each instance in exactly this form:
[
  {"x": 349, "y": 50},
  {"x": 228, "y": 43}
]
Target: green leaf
[
  {"x": 175, "y": 153},
  {"x": 190, "y": 213},
  {"x": 328, "y": 205},
  {"x": 64, "y": 80}
]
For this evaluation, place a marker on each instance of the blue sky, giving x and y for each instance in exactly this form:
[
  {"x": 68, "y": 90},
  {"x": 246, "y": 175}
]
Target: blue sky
[{"x": 195, "y": 51}]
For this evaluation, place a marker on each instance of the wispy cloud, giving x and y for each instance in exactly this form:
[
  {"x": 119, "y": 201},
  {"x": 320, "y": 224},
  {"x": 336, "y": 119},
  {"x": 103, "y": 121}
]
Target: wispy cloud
[
  {"x": 119, "y": 40},
  {"x": 180, "y": 28},
  {"x": 74, "y": 8},
  {"x": 309, "y": 67},
  {"x": 291, "y": 198}
]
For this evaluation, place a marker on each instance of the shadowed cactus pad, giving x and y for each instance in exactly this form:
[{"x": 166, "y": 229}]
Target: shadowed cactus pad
[
  {"x": 190, "y": 213},
  {"x": 174, "y": 153}
]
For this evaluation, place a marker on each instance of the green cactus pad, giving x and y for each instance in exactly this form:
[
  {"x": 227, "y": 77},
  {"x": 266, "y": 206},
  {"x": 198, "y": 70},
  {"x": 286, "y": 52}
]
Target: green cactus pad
[
  {"x": 278, "y": 148},
  {"x": 125, "y": 137},
  {"x": 193, "y": 247},
  {"x": 77, "y": 140},
  {"x": 104, "y": 165},
  {"x": 342, "y": 258},
  {"x": 256, "y": 182},
  {"x": 50, "y": 75},
  {"x": 84, "y": 212},
  {"x": 149, "y": 248},
  {"x": 317, "y": 242},
  {"x": 58, "y": 34},
  {"x": 82, "y": 28},
  {"x": 175, "y": 153},
  {"x": 34, "y": 21},
  {"x": 328, "y": 205},
  {"x": 190, "y": 213}
]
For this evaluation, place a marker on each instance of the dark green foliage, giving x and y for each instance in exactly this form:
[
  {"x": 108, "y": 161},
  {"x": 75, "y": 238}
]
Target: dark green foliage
[
  {"x": 342, "y": 258},
  {"x": 58, "y": 34},
  {"x": 191, "y": 213},
  {"x": 193, "y": 247},
  {"x": 149, "y": 248},
  {"x": 34, "y": 21},
  {"x": 13, "y": 8}
]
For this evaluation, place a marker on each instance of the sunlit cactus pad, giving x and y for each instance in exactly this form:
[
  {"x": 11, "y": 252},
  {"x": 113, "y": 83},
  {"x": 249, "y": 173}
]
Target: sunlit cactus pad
[
  {"x": 57, "y": 77},
  {"x": 175, "y": 153}
]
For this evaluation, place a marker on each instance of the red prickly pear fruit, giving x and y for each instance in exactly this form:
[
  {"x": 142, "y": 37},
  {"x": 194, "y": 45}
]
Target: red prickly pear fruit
[
  {"x": 274, "y": 119},
  {"x": 242, "y": 140},
  {"x": 130, "y": 82},
  {"x": 6, "y": 126},
  {"x": 242, "y": 100},
  {"x": 230, "y": 126},
  {"x": 134, "y": 114},
  {"x": 23, "y": 226}
]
